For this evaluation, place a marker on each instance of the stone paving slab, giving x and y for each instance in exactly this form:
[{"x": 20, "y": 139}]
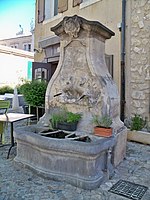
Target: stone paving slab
[{"x": 17, "y": 182}]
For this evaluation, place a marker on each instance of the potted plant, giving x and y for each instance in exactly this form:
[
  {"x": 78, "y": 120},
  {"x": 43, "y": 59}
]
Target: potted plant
[
  {"x": 137, "y": 123},
  {"x": 102, "y": 126},
  {"x": 138, "y": 129},
  {"x": 65, "y": 120}
]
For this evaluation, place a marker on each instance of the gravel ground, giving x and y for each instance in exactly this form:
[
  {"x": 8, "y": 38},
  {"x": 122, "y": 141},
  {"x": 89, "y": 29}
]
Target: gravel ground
[{"x": 17, "y": 182}]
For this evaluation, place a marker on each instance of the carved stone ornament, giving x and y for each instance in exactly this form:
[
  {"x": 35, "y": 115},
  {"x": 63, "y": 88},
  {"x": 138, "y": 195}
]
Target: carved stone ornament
[{"x": 72, "y": 26}]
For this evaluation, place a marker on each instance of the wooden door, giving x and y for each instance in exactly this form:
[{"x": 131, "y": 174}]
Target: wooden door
[{"x": 43, "y": 71}]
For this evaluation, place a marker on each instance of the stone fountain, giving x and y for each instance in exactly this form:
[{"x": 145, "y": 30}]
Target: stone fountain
[{"x": 82, "y": 84}]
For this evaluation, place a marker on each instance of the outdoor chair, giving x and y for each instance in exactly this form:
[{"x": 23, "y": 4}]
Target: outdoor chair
[{"x": 4, "y": 105}]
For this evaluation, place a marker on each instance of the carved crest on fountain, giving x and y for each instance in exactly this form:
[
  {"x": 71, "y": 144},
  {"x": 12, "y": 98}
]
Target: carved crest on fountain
[{"x": 72, "y": 26}]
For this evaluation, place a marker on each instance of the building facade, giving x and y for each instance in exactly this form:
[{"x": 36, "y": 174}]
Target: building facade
[
  {"x": 23, "y": 42},
  {"x": 127, "y": 52}
]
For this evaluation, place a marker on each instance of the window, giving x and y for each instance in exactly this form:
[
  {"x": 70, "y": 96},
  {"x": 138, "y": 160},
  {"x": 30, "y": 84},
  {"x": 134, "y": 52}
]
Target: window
[
  {"x": 43, "y": 71},
  {"x": 86, "y": 3},
  {"x": 51, "y": 8},
  {"x": 47, "y": 9},
  {"x": 14, "y": 46},
  {"x": 41, "y": 74},
  {"x": 27, "y": 47}
]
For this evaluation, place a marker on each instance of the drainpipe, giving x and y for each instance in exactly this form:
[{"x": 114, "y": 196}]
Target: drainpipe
[{"x": 123, "y": 30}]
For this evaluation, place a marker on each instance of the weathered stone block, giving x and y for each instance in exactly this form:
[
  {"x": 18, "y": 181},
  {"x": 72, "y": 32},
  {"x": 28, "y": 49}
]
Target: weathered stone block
[{"x": 119, "y": 152}]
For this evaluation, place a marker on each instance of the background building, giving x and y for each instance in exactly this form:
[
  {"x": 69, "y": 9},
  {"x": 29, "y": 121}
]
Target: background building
[
  {"x": 128, "y": 54},
  {"x": 15, "y": 65},
  {"x": 16, "y": 57},
  {"x": 23, "y": 42}
]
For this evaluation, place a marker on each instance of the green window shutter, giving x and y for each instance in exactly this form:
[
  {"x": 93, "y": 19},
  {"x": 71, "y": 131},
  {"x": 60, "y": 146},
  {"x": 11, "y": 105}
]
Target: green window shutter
[
  {"x": 41, "y": 10},
  {"x": 77, "y": 2},
  {"x": 62, "y": 5},
  {"x": 29, "y": 70}
]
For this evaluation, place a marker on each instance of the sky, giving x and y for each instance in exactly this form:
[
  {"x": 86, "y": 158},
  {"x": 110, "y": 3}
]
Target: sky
[{"x": 14, "y": 13}]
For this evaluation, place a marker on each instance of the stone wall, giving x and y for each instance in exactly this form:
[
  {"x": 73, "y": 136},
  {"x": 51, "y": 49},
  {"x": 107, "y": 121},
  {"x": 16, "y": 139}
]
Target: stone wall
[{"x": 139, "y": 66}]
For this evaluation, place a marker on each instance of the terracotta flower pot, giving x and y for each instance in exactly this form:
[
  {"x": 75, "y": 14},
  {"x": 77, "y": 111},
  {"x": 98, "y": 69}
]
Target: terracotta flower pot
[{"x": 102, "y": 131}]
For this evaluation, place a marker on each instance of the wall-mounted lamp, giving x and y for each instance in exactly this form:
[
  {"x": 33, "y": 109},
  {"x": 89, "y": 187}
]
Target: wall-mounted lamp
[
  {"x": 119, "y": 26},
  {"x": 38, "y": 50}
]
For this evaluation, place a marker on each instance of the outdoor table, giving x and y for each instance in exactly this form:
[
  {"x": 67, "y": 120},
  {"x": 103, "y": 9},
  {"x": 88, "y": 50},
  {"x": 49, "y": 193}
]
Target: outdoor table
[{"x": 11, "y": 118}]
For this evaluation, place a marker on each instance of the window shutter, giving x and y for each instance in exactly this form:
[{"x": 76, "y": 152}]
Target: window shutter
[
  {"x": 109, "y": 63},
  {"x": 62, "y": 5},
  {"x": 41, "y": 6},
  {"x": 77, "y": 2},
  {"x": 55, "y": 7}
]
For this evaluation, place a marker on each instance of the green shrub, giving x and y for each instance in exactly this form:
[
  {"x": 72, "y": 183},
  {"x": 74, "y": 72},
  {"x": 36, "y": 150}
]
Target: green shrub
[
  {"x": 6, "y": 89},
  {"x": 34, "y": 92},
  {"x": 137, "y": 123}
]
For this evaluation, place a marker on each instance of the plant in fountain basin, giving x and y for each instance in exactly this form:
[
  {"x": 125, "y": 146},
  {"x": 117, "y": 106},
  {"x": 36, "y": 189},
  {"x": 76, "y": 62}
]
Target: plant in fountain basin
[
  {"x": 65, "y": 120},
  {"x": 102, "y": 126}
]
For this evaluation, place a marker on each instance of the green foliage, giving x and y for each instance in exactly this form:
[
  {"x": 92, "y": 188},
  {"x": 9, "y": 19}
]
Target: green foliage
[
  {"x": 34, "y": 92},
  {"x": 73, "y": 117},
  {"x": 55, "y": 119},
  {"x": 137, "y": 123},
  {"x": 6, "y": 89},
  {"x": 104, "y": 121},
  {"x": 64, "y": 116}
]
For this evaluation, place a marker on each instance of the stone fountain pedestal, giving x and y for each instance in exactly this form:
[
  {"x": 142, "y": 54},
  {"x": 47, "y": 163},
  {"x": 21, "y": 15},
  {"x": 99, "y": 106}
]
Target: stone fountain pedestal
[{"x": 81, "y": 83}]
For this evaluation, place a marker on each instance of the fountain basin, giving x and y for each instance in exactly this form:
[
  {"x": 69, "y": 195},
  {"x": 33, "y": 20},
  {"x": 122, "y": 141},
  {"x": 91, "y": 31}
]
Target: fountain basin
[{"x": 82, "y": 164}]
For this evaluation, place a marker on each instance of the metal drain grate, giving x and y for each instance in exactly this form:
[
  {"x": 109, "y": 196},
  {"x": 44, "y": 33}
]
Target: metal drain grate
[{"x": 128, "y": 189}]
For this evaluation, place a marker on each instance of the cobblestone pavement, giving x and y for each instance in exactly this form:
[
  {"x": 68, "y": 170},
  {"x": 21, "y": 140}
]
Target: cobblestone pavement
[{"x": 19, "y": 183}]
